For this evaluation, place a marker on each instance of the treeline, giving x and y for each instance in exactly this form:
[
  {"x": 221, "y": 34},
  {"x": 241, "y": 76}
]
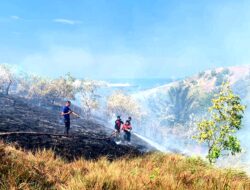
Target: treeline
[
  {"x": 54, "y": 91},
  {"x": 48, "y": 91}
]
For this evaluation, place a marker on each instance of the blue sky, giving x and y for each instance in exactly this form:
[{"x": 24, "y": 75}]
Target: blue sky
[{"x": 124, "y": 38}]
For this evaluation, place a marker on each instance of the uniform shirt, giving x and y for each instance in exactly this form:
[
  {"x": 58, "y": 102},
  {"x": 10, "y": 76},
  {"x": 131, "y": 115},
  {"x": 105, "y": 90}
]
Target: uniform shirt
[
  {"x": 118, "y": 123},
  {"x": 66, "y": 109},
  {"x": 126, "y": 127}
]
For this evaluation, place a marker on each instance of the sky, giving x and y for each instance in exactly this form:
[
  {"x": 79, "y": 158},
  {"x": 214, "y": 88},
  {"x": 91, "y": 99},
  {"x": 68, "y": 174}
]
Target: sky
[{"x": 103, "y": 39}]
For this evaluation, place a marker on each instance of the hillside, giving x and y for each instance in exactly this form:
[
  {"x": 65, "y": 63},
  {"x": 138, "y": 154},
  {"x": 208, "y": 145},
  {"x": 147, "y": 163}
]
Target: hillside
[
  {"x": 42, "y": 170},
  {"x": 32, "y": 127},
  {"x": 35, "y": 154},
  {"x": 206, "y": 81},
  {"x": 175, "y": 108}
]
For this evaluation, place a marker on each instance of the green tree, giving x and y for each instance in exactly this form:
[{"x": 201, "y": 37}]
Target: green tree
[
  {"x": 218, "y": 131},
  {"x": 181, "y": 103}
]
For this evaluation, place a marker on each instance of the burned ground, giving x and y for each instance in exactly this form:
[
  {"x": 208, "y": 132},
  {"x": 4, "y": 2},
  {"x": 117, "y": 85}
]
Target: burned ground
[{"x": 33, "y": 127}]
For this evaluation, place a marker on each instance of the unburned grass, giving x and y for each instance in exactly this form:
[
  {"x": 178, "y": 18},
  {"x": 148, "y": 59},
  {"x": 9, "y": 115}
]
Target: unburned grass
[{"x": 42, "y": 170}]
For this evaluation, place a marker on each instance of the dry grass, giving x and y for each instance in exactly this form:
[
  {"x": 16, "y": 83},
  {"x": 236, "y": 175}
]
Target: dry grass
[{"x": 24, "y": 170}]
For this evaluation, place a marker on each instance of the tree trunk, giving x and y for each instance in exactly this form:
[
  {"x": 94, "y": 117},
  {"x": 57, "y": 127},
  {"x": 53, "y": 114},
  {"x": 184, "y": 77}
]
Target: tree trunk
[
  {"x": 88, "y": 114},
  {"x": 209, "y": 152},
  {"x": 8, "y": 88}
]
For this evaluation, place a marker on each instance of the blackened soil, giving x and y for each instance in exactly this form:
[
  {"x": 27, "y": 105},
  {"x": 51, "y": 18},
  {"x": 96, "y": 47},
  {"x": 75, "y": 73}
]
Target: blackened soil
[{"x": 41, "y": 127}]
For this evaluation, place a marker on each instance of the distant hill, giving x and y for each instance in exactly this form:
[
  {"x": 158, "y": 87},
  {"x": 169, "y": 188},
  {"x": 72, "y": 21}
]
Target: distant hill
[
  {"x": 205, "y": 81},
  {"x": 174, "y": 108}
]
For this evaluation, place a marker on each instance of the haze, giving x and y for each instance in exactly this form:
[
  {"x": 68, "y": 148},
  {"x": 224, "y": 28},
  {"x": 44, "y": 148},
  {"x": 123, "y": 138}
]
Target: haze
[{"x": 124, "y": 38}]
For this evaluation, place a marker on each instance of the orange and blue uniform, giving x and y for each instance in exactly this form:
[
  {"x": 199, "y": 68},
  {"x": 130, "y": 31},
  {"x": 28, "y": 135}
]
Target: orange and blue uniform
[{"x": 127, "y": 134}]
